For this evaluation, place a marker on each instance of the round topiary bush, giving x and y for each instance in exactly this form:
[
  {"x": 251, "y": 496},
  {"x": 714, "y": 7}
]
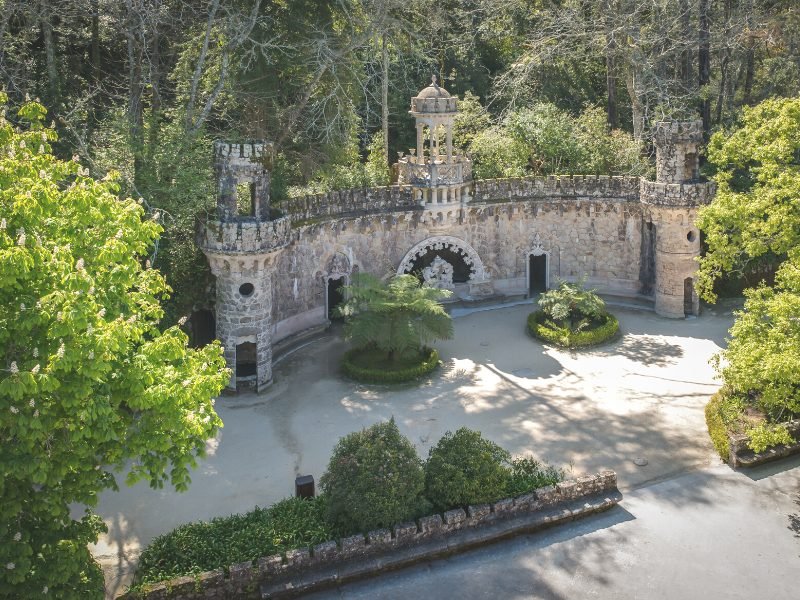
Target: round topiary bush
[
  {"x": 374, "y": 479},
  {"x": 464, "y": 468},
  {"x": 597, "y": 331},
  {"x": 362, "y": 364}
]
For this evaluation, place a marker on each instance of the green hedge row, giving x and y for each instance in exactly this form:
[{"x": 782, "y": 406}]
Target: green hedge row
[
  {"x": 716, "y": 425},
  {"x": 539, "y": 328},
  {"x": 374, "y": 479},
  {"x": 429, "y": 362},
  {"x": 203, "y": 546}
]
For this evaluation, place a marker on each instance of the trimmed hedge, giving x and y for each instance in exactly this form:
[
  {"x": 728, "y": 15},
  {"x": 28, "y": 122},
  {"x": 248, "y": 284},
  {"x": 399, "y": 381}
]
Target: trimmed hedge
[
  {"x": 596, "y": 334},
  {"x": 374, "y": 479},
  {"x": 223, "y": 541},
  {"x": 716, "y": 426},
  {"x": 465, "y": 468},
  {"x": 430, "y": 360}
]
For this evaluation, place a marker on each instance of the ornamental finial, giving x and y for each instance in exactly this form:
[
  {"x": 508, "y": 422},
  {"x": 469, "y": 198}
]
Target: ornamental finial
[{"x": 433, "y": 81}]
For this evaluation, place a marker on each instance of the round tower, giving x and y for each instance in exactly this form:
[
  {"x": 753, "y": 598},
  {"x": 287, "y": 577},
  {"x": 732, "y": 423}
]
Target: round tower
[
  {"x": 438, "y": 174},
  {"x": 241, "y": 243},
  {"x": 671, "y": 203}
]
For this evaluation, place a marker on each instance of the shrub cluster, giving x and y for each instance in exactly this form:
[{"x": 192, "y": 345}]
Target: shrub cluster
[
  {"x": 602, "y": 329},
  {"x": 223, "y": 541},
  {"x": 429, "y": 362},
  {"x": 374, "y": 479}
]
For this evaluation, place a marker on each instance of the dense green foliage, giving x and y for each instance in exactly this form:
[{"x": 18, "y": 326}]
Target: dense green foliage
[
  {"x": 224, "y": 541},
  {"x": 465, "y": 468},
  {"x": 360, "y": 364},
  {"x": 597, "y": 332},
  {"x": 527, "y": 474},
  {"x": 394, "y": 318},
  {"x": 756, "y": 214},
  {"x": 89, "y": 385},
  {"x": 543, "y": 139},
  {"x": 374, "y": 479}
]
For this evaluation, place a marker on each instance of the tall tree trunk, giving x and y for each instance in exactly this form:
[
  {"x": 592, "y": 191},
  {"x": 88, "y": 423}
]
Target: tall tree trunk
[
  {"x": 612, "y": 116},
  {"x": 95, "y": 75},
  {"x": 385, "y": 100},
  {"x": 49, "y": 52},
  {"x": 135, "y": 89},
  {"x": 685, "y": 56},
  {"x": 704, "y": 63},
  {"x": 632, "y": 85}
]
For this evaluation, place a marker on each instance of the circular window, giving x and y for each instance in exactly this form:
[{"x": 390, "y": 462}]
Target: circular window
[
  {"x": 246, "y": 289},
  {"x": 690, "y": 236}
]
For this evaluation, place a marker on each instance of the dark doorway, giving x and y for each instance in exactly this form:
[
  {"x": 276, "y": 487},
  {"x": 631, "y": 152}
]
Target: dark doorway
[
  {"x": 204, "y": 329},
  {"x": 537, "y": 274},
  {"x": 688, "y": 297},
  {"x": 335, "y": 297},
  {"x": 246, "y": 359},
  {"x": 461, "y": 270}
]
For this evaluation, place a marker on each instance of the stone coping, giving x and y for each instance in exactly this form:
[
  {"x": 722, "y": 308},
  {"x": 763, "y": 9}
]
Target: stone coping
[
  {"x": 742, "y": 456},
  {"x": 358, "y": 556}
]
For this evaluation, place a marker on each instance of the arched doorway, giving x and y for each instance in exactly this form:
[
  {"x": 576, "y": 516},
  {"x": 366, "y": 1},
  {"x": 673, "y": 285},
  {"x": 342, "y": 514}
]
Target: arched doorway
[
  {"x": 334, "y": 296},
  {"x": 538, "y": 278},
  {"x": 688, "y": 297},
  {"x": 467, "y": 265}
]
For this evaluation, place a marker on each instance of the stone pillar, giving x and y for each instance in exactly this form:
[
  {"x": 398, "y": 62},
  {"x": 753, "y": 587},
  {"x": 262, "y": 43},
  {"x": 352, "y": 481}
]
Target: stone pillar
[
  {"x": 420, "y": 142},
  {"x": 449, "y": 143},
  {"x": 261, "y": 184}
]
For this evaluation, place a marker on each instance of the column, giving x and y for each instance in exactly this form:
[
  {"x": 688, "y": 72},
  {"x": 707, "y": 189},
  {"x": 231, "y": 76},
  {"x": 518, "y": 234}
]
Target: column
[
  {"x": 420, "y": 142},
  {"x": 449, "y": 143}
]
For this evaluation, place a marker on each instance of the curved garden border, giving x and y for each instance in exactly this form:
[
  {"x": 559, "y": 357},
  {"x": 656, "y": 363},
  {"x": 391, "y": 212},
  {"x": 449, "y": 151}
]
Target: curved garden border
[
  {"x": 383, "y": 376},
  {"x": 582, "y": 339}
]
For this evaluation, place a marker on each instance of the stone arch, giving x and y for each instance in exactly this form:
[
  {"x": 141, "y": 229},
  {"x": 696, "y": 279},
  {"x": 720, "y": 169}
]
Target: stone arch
[
  {"x": 537, "y": 251},
  {"x": 441, "y": 242}
]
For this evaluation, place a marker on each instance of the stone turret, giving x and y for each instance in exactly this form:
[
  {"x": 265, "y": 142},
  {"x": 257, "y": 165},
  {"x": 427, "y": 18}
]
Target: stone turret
[
  {"x": 240, "y": 243},
  {"x": 671, "y": 204},
  {"x": 438, "y": 176}
]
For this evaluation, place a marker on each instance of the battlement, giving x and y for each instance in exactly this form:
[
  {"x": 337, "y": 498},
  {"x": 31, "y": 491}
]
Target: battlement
[
  {"x": 350, "y": 202},
  {"x": 556, "y": 186},
  {"x": 678, "y": 132},
  {"x": 676, "y": 194},
  {"x": 243, "y": 236},
  {"x": 243, "y": 154}
]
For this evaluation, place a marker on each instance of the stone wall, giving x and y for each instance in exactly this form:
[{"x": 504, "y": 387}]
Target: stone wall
[
  {"x": 306, "y": 569},
  {"x": 349, "y": 202},
  {"x": 596, "y": 237}
]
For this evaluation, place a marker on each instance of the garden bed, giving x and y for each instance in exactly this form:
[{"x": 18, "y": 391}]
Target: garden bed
[
  {"x": 369, "y": 366},
  {"x": 600, "y": 330}
]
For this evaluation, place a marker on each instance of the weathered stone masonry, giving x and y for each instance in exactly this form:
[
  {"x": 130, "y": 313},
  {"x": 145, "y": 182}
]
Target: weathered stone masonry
[{"x": 504, "y": 237}]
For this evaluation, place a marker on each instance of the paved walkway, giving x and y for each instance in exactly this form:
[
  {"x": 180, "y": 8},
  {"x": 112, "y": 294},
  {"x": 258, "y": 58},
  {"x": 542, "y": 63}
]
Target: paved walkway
[
  {"x": 640, "y": 396},
  {"x": 704, "y": 535}
]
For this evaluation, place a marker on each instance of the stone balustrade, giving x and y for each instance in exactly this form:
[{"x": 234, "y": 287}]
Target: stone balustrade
[
  {"x": 556, "y": 186},
  {"x": 243, "y": 235}
]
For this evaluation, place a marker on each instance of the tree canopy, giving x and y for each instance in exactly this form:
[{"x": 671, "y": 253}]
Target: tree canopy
[
  {"x": 756, "y": 213},
  {"x": 89, "y": 385}
]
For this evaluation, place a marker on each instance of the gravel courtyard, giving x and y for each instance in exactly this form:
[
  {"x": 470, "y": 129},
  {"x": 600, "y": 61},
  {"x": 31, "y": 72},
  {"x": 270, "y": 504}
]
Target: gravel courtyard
[{"x": 640, "y": 396}]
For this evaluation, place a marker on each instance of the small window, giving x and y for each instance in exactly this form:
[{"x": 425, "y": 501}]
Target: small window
[{"x": 247, "y": 289}]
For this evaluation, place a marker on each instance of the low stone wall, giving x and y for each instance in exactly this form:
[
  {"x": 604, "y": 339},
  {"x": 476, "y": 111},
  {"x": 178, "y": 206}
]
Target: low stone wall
[
  {"x": 742, "y": 456},
  {"x": 306, "y": 569},
  {"x": 556, "y": 186}
]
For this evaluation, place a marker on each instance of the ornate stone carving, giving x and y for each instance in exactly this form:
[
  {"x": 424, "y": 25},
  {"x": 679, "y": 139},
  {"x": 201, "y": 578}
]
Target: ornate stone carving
[
  {"x": 338, "y": 266},
  {"x": 439, "y": 274},
  {"x": 537, "y": 247},
  {"x": 446, "y": 242}
]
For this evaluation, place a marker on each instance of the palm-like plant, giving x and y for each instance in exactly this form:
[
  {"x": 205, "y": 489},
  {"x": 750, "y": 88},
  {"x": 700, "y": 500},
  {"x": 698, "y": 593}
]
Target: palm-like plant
[
  {"x": 394, "y": 317},
  {"x": 572, "y": 305}
]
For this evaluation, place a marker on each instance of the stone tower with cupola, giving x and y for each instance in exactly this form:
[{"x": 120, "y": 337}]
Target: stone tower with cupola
[{"x": 438, "y": 174}]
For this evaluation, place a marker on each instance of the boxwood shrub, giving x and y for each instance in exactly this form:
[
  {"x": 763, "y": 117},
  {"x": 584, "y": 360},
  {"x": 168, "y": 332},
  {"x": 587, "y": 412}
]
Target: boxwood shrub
[
  {"x": 526, "y": 474},
  {"x": 429, "y": 360},
  {"x": 223, "y": 541},
  {"x": 374, "y": 479},
  {"x": 541, "y": 327},
  {"x": 464, "y": 468}
]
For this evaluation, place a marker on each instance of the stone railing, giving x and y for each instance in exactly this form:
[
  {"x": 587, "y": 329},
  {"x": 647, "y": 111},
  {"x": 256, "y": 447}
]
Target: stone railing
[
  {"x": 676, "y": 194},
  {"x": 742, "y": 456},
  {"x": 353, "y": 202},
  {"x": 411, "y": 171},
  {"x": 358, "y": 556},
  {"x": 243, "y": 235},
  {"x": 556, "y": 187}
]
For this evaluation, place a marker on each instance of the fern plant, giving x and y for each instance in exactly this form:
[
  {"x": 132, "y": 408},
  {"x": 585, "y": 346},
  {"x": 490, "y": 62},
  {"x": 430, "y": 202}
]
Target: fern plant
[{"x": 572, "y": 306}]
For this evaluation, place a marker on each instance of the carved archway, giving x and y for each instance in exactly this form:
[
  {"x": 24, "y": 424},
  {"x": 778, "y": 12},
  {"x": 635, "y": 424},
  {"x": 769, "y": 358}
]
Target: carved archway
[{"x": 446, "y": 242}]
